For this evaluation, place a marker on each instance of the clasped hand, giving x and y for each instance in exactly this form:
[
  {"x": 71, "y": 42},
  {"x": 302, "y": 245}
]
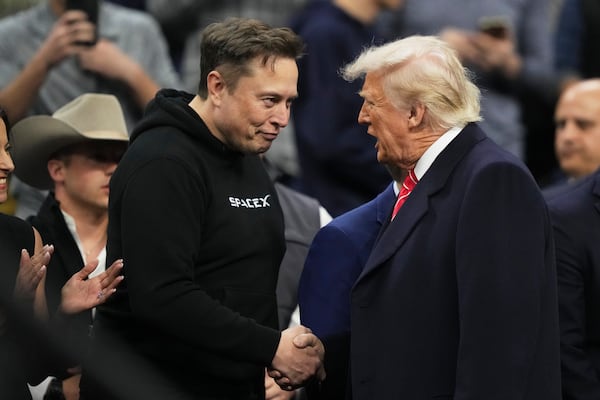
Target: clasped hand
[{"x": 299, "y": 357}]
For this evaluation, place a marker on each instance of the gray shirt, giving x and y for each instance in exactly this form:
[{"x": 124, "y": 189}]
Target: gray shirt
[{"x": 137, "y": 34}]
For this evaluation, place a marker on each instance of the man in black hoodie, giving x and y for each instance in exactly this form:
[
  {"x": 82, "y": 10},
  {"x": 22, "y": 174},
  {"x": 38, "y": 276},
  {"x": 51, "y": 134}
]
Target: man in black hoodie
[{"x": 195, "y": 215}]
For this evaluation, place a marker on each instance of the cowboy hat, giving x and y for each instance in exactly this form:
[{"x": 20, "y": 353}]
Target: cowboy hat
[{"x": 34, "y": 139}]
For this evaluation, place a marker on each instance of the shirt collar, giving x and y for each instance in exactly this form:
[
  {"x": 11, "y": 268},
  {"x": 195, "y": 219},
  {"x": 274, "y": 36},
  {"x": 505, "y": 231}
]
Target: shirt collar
[
  {"x": 435, "y": 150},
  {"x": 70, "y": 222}
]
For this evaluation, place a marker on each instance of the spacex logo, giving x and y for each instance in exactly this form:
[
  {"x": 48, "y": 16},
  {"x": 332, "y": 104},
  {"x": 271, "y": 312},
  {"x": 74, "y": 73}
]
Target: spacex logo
[{"x": 257, "y": 202}]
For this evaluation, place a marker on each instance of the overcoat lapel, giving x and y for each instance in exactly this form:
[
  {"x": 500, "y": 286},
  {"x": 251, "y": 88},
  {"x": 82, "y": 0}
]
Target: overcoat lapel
[{"x": 393, "y": 234}]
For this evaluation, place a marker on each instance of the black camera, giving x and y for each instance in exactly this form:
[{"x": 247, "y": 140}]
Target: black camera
[{"x": 90, "y": 7}]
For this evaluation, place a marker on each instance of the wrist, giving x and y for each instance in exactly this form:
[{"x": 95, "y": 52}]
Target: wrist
[{"x": 42, "y": 60}]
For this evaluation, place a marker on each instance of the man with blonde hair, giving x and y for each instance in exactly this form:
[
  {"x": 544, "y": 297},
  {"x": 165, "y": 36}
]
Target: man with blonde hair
[{"x": 458, "y": 297}]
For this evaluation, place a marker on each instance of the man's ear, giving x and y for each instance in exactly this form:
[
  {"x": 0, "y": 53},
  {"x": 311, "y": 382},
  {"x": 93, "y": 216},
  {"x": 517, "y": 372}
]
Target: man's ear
[
  {"x": 56, "y": 170},
  {"x": 417, "y": 113},
  {"x": 216, "y": 86}
]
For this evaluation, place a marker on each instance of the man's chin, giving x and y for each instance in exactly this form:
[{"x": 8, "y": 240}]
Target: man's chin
[
  {"x": 381, "y": 159},
  {"x": 570, "y": 168},
  {"x": 263, "y": 148}
]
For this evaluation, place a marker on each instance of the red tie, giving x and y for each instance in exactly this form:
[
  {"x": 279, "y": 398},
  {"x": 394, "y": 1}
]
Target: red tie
[{"x": 407, "y": 186}]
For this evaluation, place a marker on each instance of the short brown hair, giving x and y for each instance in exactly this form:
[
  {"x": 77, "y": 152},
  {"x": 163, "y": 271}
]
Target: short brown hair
[{"x": 230, "y": 45}]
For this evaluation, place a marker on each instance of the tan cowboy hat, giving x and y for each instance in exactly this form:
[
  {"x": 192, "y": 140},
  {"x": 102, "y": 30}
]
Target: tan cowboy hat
[{"x": 34, "y": 139}]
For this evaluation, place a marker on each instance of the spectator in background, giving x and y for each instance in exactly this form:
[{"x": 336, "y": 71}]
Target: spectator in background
[
  {"x": 577, "y": 137},
  {"x": 575, "y": 214},
  {"x": 303, "y": 216},
  {"x": 507, "y": 44},
  {"x": 338, "y": 165},
  {"x": 72, "y": 153},
  {"x": 49, "y": 61},
  {"x": 577, "y": 134}
]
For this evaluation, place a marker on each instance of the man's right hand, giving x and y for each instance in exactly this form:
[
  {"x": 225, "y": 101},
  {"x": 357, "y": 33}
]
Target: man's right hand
[{"x": 298, "y": 358}]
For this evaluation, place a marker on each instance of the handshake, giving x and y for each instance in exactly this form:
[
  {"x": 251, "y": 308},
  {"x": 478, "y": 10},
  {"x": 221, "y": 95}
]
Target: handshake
[{"x": 299, "y": 357}]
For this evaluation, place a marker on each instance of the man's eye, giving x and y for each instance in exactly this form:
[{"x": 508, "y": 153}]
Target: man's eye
[{"x": 583, "y": 125}]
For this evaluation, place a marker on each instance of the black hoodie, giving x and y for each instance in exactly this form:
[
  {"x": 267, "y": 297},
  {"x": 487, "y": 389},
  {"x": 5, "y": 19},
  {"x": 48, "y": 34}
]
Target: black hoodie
[{"x": 200, "y": 230}]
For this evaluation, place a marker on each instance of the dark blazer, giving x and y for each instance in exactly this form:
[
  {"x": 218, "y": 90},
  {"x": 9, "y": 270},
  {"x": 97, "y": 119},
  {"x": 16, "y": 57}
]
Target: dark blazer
[
  {"x": 575, "y": 216},
  {"x": 336, "y": 258},
  {"x": 458, "y": 297}
]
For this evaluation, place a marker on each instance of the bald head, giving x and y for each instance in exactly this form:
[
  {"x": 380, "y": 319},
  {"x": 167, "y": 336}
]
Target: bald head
[{"x": 577, "y": 118}]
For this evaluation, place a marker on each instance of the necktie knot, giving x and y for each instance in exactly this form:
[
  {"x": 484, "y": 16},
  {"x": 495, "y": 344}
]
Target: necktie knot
[{"x": 407, "y": 187}]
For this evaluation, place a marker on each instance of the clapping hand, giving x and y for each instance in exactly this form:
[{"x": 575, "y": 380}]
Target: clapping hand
[
  {"x": 31, "y": 272},
  {"x": 80, "y": 294}
]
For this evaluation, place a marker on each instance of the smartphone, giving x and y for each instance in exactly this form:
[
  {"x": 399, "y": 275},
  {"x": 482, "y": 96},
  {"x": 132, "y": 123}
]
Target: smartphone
[
  {"x": 90, "y": 7},
  {"x": 497, "y": 27}
]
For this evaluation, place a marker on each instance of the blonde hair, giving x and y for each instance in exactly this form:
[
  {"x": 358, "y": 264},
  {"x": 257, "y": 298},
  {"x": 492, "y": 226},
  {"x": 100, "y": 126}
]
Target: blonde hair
[{"x": 425, "y": 70}]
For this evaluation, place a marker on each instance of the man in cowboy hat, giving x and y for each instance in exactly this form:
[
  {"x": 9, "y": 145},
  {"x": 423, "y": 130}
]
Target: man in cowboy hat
[{"x": 72, "y": 153}]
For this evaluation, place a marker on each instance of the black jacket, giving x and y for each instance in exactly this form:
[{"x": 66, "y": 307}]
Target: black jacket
[
  {"x": 16, "y": 352},
  {"x": 200, "y": 230},
  {"x": 66, "y": 260}
]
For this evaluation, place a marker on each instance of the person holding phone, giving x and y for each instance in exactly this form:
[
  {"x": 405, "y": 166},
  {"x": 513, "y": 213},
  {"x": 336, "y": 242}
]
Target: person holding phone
[
  {"x": 51, "y": 58},
  {"x": 506, "y": 44}
]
